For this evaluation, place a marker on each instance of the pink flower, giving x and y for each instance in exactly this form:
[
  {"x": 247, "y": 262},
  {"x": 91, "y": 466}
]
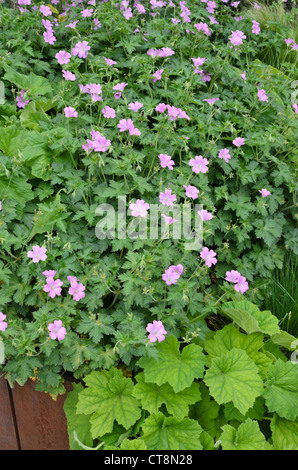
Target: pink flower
[
  {"x": 198, "y": 61},
  {"x": 117, "y": 95},
  {"x": 53, "y": 287},
  {"x": 120, "y": 86},
  {"x": 170, "y": 276},
  {"x": 20, "y": 100},
  {"x": 125, "y": 125},
  {"x": 69, "y": 112},
  {"x": 156, "y": 330},
  {"x": 77, "y": 290},
  {"x": 108, "y": 112},
  {"x": 199, "y": 164},
  {"x": 169, "y": 220},
  {"x": 205, "y": 215},
  {"x": 72, "y": 25},
  {"x": 262, "y": 95},
  {"x": 242, "y": 285},
  {"x": 157, "y": 75},
  {"x": 264, "y": 192},
  {"x": 191, "y": 191},
  {"x": 57, "y": 331},
  {"x": 87, "y": 12},
  {"x": 255, "y": 27},
  {"x": 0, "y": 205},
  {"x": 295, "y": 106},
  {"x": 46, "y": 11},
  {"x": 110, "y": 61},
  {"x": 50, "y": 273},
  {"x": 81, "y": 49},
  {"x": 160, "y": 108},
  {"x": 3, "y": 324},
  {"x": 237, "y": 38},
  {"x": 167, "y": 198},
  {"x": 224, "y": 153},
  {"x": 67, "y": 75},
  {"x": 232, "y": 276},
  {"x": 37, "y": 254},
  {"x": 208, "y": 256},
  {"x": 101, "y": 144},
  {"x": 243, "y": 75},
  {"x": 127, "y": 13},
  {"x": 166, "y": 161},
  {"x": 203, "y": 27},
  {"x": 49, "y": 37},
  {"x": 63, "y": 57},
  {"x": 93, "y": 89},
  {"x": 239, "y": 141},
  {"x": 211, "y": 101},
  {"x": 139, "y": 208},
  {"x": 135, "y": 106}
]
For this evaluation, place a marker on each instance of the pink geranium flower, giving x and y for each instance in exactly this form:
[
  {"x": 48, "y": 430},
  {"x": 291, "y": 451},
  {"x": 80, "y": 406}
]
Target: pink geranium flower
[
  {"x": 224, "y": 153},
  {"x": 239, "y": 141},
  {"x": 135, "y": 106},
  {"x": 237, "y": 38},
  {"x": 169, "y": 220},
  {"x": 3, "y": 324},
  {"x": 120, "y": 86},
  {"x": 108, "y": 112},
  {"x": 53, "y": 287},
  {"x": 161, "y": 107},
  {"x": 232, "y": 276},
  {"x": 166, "y": 161},
  {"x": 211, "y": 101},
  {"x": 157, "y": 75},
  {"x": 139, "y": 208},
  {"x": 167, "y": 198},
  {"x": 21, "y": 103},
  {"x": 69, "y": 76},
  {"x": 172, "y": 274},
  {"x": 46, "y": 11},
  {"x": 262, "y": 95},
  {"x": 77, "y": 290},
  {"x": 205, "y": 215},
  {"x": 209, "y": 256},
  {"x": 156, "y": 330},
  {"x": 191, "y": 191},
  {"x": 198, "y": 61},
  {"x": 242, "y": 285},
  {"x": 37, "y": 254},
  {"x": 63, "y": 57},
  {"x": 81, "y": 49},
  {"x": 125, "y": 125},
  {"x": 57, "y": 331},
  {"x": 264, "y": 192},
  {"x": 69, "y": 112},
  {"x": 50, "y": 273},
  {"x": 199, "y": 164}
]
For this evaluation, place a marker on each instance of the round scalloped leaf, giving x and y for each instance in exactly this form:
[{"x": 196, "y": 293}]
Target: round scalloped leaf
[
  {"x": 234, "y": 377},
  {"x": 246, "y": 437},
  {"x": 281, "y": 392}
]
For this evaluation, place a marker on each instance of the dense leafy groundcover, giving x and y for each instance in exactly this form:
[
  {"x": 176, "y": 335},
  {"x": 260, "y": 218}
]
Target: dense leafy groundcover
[{"x": 144, "y": 105}]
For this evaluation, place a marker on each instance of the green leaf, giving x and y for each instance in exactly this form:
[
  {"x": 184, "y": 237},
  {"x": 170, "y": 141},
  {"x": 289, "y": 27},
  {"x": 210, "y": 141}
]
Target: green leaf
[
  {"x": 76, "y": 423},
  {"x": 133, "y": 444},
  {"x": 161, "y": 433},
  {"x": 234, "y": 377},
  {"x": 284, "y": 433},
  {"x": 246, "y": 437},
  {"x": 179, "y": 370},
  {"x": 230, "y": 337},
  {"x": 35, "y": 84},
  {"x": 248, "y": 316},
  {"x": 281, "y": 394},
  {"x": 206, "y": 412},
  {"x": 153, "y": 396},
  {"x": 108, "y": 397}
]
